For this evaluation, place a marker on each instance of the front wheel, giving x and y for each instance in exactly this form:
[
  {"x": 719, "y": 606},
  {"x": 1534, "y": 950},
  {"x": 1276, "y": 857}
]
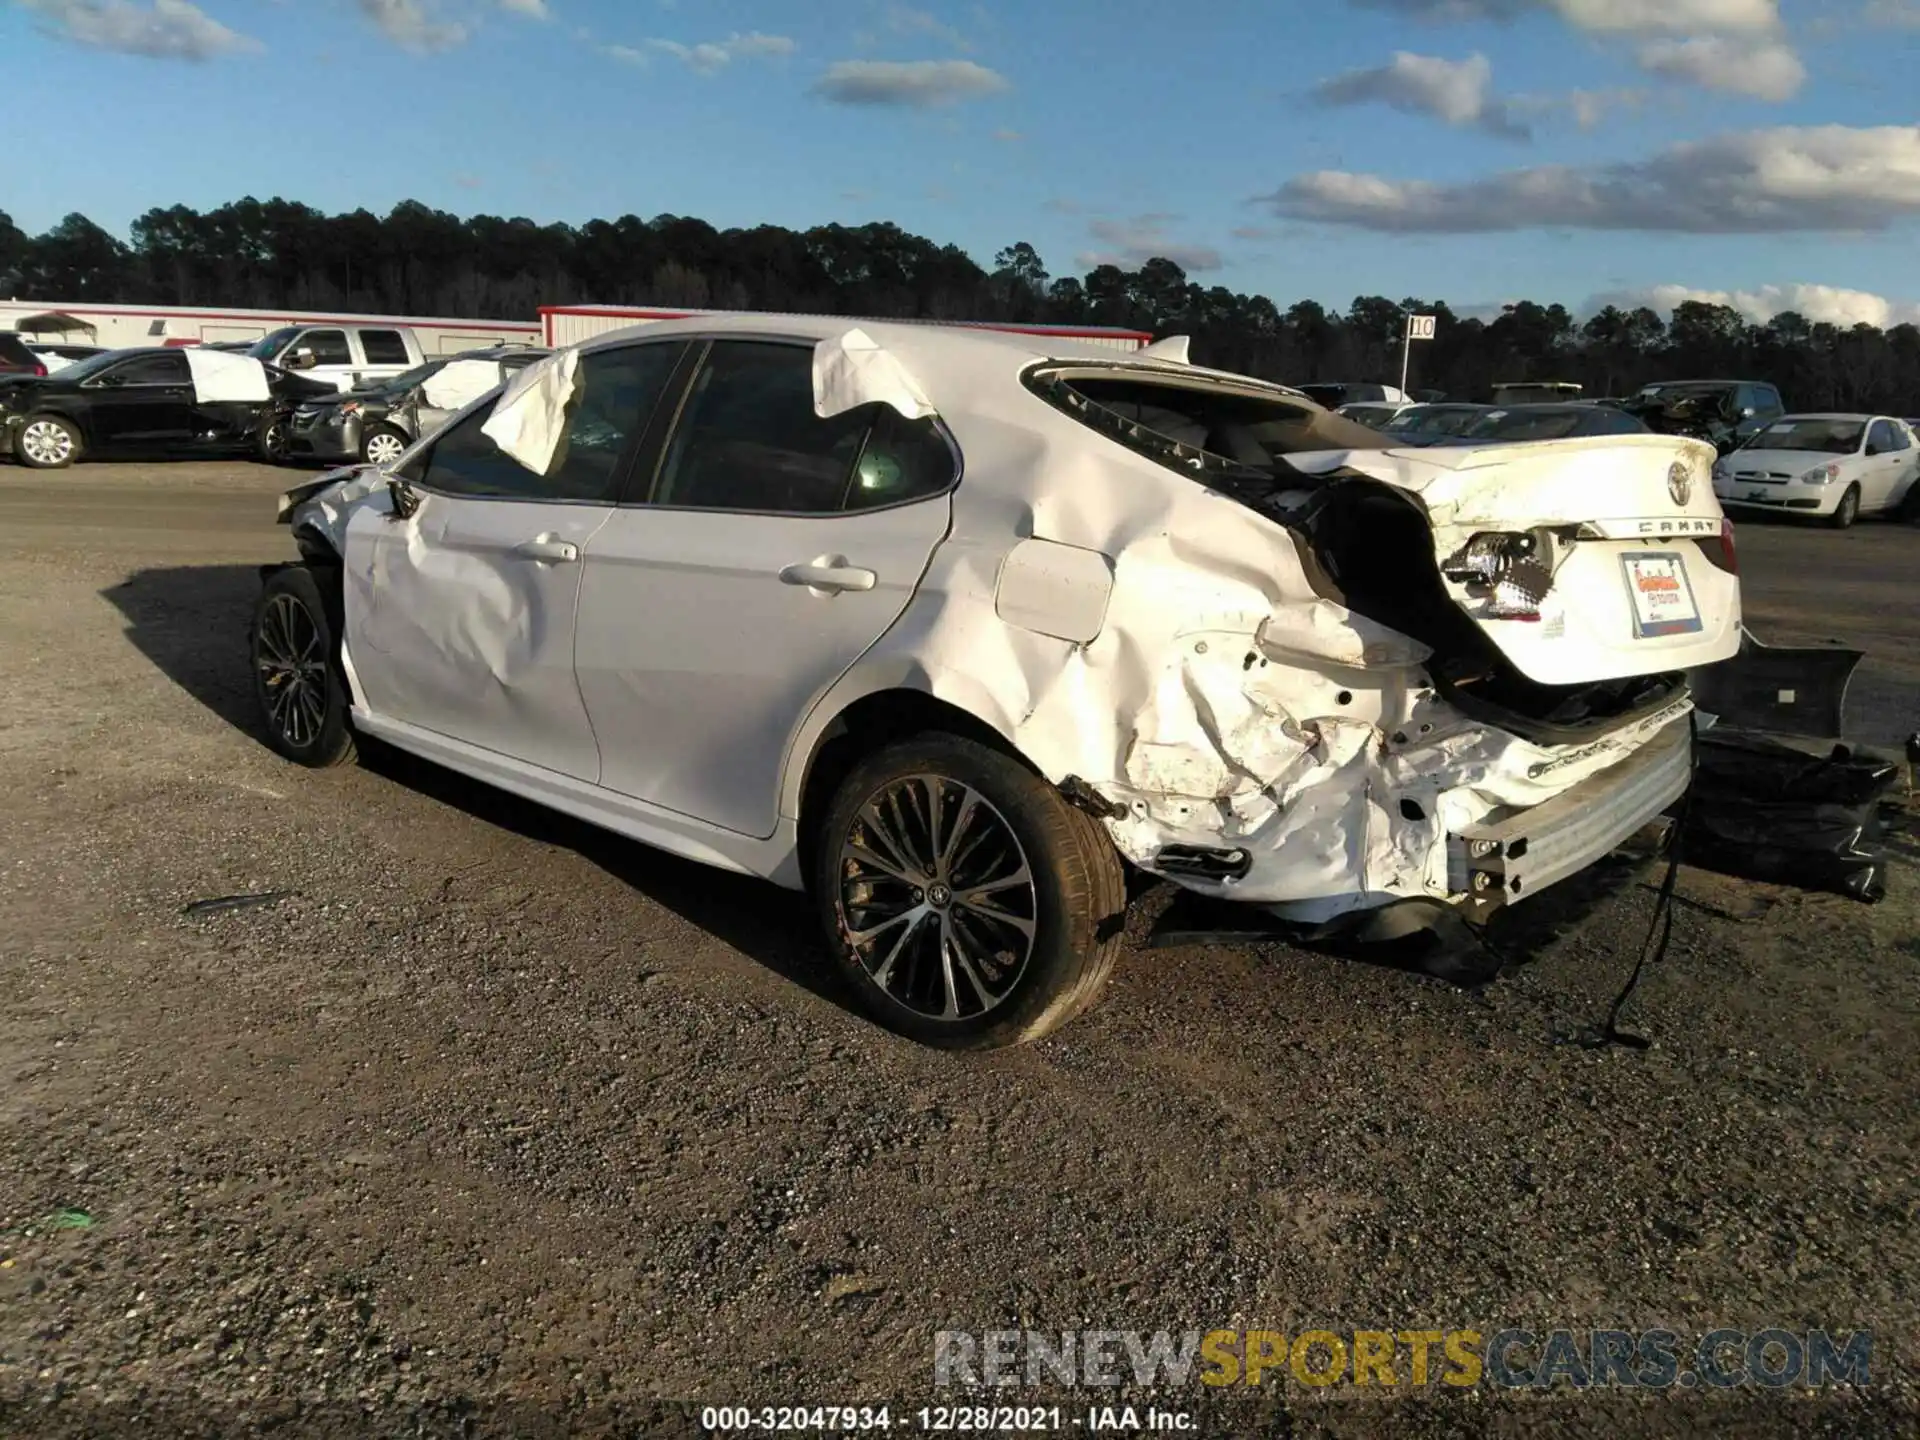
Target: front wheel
[
  {"x": 1847, "y": 511},
  {"x": 382, "y": 446},
  {"x": 271, "y": 442},
  {"x": 296, "y": 671},
  {"x": 47, "y": 442},
  {"x": 966, "y": 902}
]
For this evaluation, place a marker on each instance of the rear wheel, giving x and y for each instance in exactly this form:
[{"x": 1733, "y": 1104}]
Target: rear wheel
[
  {"x": 47, "y": 442},
  {"x": 296, "y": 671},
  {"x": 966, "y": 902},
  {"x": 1847, "y": 511},
  {"x": 382, "y": 445}
]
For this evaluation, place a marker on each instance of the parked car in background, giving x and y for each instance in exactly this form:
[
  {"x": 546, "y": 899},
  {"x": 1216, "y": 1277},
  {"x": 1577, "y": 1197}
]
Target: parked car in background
[
  {"x": 16, "y": 358},
  {"x": 375, "y": 423},
  {"x": 1838, "y": 467},
  {"x": 1375, "y": 414},
  {"x": 149, "y": 403},
  {"x": 1332, "y": 394},
  {"x": 342, "y": 355},
  {"x": 1724, "y": 413},
  {"x": 1535, "y": 392},
  {"x": 1429, "y": 424},
  {"x": 1545, "y": 422},
  {"x": 944, "y": 625},
  {"x": 60, "y": 355}
]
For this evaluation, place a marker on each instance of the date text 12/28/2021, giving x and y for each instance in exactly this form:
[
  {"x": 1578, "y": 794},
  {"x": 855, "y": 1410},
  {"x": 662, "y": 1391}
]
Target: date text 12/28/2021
[{"x": 942, "y": 1419}]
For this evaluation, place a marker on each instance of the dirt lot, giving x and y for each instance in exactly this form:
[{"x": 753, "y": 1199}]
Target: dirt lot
[{"x": 494, "y": 1124}]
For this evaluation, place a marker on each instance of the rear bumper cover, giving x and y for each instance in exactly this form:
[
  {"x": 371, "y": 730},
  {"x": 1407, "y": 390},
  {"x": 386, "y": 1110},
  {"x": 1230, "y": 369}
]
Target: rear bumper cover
[{"x": 1508, "y": 857}]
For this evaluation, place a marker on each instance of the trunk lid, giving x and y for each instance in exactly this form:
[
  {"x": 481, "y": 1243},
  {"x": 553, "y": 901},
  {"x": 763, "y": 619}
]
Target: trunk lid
[{"x": 1581, "y": 560}]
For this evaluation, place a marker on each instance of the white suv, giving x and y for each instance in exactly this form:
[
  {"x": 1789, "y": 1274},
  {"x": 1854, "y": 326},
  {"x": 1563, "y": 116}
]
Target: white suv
[{"x": 945, "y": 626}]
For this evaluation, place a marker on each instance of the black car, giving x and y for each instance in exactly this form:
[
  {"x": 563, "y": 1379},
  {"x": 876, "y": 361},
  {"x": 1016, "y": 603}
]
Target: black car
[
  {"x": 1421, "y": 425},
  {"x": 16, "y": 358},
  {"x": 141, "y": 404},
  {"x": 1564, "y": 421},
  {"x": 375, "y": 424},
  {"x": 1724, "y": 413}
]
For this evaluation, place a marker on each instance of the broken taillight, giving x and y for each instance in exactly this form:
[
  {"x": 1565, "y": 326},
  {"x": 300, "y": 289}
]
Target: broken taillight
[
  {"x": 1719, "y": 550},
  {"x": 1510, "y": 571}
]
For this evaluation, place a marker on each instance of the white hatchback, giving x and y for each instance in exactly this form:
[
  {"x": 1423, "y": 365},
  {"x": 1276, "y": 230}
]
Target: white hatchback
[
  {"x": 1838, "y": 467},
  {"x": 948, "y": 626}
]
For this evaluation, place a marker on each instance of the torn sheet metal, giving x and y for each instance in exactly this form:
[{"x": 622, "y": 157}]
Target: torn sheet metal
[
  {"x": 459, "y": 383},
  {"x": 852, "y": 369},
  {"x": 322, "y": 507},
  {"x": 221, "y": 376},
  {"x": 530, "y": 418}
]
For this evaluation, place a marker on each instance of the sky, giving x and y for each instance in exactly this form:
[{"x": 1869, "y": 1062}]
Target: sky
[{"x": 1761, "y": 153}]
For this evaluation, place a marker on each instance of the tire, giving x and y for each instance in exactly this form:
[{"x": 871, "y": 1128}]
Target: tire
[
  {"x": 271, "y": 443},
  {"x": 1013, "y": 985},
  {"x": 47, "y": 442},
  {"x": 297, "y": 678},
  {"x": 382, "y": 444},
  {"x": 1847, "y": 511}
]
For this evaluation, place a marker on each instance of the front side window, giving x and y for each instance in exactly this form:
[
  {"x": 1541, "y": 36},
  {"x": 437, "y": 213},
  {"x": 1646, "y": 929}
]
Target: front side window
[
  {"x": 1880, "y": 438},
  {"x": 168, "y": 369},
  {"x": 383, "y": 347},
  {"x": 615, "y": 393},
  {"x": 748, "y": 437},
  {"x": 329, "y": 347}
]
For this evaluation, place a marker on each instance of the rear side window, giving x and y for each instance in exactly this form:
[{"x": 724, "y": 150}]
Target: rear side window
[
  {"x": 748, "y": 437},
  {"x": 384, "y": 347}
]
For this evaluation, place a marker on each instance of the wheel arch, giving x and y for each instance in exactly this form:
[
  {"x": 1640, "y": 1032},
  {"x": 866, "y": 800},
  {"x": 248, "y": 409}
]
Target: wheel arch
[{"x": 76, "y": 416}]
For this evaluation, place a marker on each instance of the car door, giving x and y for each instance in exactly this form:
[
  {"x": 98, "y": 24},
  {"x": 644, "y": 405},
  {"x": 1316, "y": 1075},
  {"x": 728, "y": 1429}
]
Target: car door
[
  {"x": 144, "y": 404},
  {"x": 1882, "y": 468},
  {"x": 323, "y": 354},
  {"x": 460, "y": 617},
  {"x": 770, "y": 550}
]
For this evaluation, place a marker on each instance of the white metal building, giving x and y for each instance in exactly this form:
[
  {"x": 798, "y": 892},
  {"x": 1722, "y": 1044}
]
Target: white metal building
[
  {"x": 120, "y": 326},
  {"x": 571, "y": 324}
]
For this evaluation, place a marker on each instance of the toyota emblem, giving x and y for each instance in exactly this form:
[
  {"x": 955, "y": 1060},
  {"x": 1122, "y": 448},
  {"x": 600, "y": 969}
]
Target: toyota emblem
[{"x": 1680, "y": 482}]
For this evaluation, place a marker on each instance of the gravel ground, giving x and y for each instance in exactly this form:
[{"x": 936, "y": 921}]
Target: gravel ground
[{"x": 493, "y": 1124}]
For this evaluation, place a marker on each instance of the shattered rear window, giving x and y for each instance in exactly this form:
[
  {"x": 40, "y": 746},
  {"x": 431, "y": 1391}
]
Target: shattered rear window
[{"x": 1198, "y": 426}]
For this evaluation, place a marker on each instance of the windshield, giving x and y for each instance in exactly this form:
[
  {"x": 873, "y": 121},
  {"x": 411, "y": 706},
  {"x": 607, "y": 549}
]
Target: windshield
[
  {"x": 92, "y": 365},
  {"x": 1434, "y": 420},
  {"x": 1526, "y": 424},
  {"x": 272, "y": 343},
  {"x": 1827, "y": 437}
]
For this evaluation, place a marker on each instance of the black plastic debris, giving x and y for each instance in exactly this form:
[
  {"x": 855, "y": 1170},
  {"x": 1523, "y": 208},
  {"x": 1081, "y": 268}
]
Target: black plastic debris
[
  {"x": 220, "y": 904},
  {"x": 1762, "y": 809}
]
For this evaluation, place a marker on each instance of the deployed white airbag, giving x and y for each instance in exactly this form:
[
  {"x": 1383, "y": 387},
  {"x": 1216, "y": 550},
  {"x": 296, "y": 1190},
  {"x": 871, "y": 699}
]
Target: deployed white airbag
[
  {"x": 851, "y": 369},
  {"x": 459, "y": 383},
  {"x": 222, "y": 376},
  {"x": 530, "y": 417}
]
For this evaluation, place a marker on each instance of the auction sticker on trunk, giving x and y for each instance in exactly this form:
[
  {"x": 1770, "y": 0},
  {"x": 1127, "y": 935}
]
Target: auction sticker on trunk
[{"x": 1662, "y": 599}]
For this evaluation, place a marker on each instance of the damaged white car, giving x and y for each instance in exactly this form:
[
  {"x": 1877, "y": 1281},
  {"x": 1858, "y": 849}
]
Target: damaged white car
[{"x": 946, "y": 626}]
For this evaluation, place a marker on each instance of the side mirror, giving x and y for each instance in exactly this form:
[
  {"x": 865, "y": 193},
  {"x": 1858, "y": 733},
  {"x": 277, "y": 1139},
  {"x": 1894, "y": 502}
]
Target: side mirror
[
  {"x": 406, "y": 500},
  {"x": 1747, "y": 412},
  {"x": 111, "y": 382},
  {"x": 301, "y": 359}
]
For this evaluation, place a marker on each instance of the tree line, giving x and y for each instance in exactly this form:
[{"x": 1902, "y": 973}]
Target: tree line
[{"x": 277, "y": 254}]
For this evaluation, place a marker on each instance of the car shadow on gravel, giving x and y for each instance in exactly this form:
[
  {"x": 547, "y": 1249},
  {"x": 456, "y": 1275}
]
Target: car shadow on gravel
[{"x": 192, "y": 623}]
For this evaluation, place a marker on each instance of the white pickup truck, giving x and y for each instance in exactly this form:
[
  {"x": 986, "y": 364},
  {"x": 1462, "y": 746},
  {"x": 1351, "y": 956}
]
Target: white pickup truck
[{"x": 343, "y": 355}]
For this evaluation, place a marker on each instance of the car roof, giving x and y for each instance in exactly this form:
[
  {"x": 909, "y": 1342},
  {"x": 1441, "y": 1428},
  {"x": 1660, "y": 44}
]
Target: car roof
[
  {"x": 1829, "y": 415},
  {"x": 948, "y": 352}
]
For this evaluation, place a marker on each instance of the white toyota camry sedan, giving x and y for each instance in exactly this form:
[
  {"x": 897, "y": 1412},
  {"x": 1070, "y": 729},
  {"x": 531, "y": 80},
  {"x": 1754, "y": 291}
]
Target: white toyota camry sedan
[
  {"x": 947, "y": 627},
  {"x": 1837, "y": 467}
]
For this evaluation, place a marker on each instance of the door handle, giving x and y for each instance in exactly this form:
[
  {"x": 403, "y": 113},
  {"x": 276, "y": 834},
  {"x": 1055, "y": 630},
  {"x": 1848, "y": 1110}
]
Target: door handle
[
  {"x": 829, "y": 574},
  {"x": 547, "y": 549}
]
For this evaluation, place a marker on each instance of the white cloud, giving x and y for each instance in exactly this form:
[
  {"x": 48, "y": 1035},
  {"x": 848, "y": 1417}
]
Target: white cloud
[
  {"x": 414, "y": 25},
  {"x": 163, "y": 30},
  {"x": 1829, "y": 304},
  {"x": 532, "y": 9},
  {"x": 1457, "y": 92},
  {"x": 1815, "y": 179},
  {"x": 917, "y": 83},
  {"x": 1607, "y": 17},
  {"x": 905, "y": 20},
  {"x": 1758, "y": 65},
  {"x": 1131, "y": 242},
  {"x": 715, "y": 55}
]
